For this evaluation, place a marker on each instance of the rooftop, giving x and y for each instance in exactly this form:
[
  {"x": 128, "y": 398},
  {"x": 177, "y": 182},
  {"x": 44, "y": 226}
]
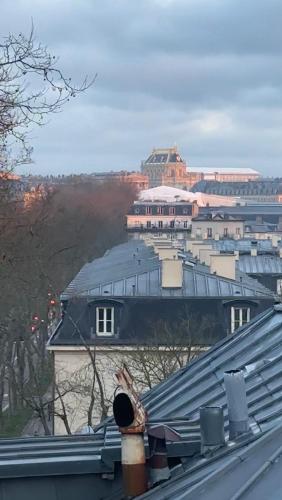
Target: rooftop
[
  {"x": 171, "y": 195},
  {"x": 224, "y": 170},
  {"x": 133, "y": 269}
]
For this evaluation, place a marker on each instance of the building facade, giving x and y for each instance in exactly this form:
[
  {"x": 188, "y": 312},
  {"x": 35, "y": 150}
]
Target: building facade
[
  {"x": 166, "y": 167},
  {"x": 131, "y": 299},
  {"x": 216, "y": 226}
]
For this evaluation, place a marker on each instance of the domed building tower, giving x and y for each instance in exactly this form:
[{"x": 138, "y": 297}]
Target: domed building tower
[{"x": 166, "y": 167}]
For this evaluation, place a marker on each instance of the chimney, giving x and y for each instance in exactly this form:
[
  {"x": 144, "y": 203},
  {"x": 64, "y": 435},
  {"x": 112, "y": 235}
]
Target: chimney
[
  {"x": 188, "y": 245},
  {"x": 236, "y": 403},
  {"x": 130, "y": 417},
  {"x": 167, "y": 253},
  {"x": 275, "y": 239},
  {"x": 158, "y": 435},
  {"x": 172, "y": 273},
  {"x": 205, "y": 255},
  {"x": 237, "y": 255},
  {"x": 223, "y": 265},
  {"x": 196, "y": 247},
  {"x": 212, "y": 429},
  {"x": 254, "y": 252},
  {"x": 216, "y": 237}
]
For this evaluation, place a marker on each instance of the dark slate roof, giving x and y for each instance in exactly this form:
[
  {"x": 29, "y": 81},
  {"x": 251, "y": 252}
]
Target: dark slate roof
[
  {"x": 251, "y": 209},
  {"x": 217, "y": 217},
  {"x": 261, "y": 187},
  {"x": 133, "y": 269},
  {"x": 249, "y": 470},
  {"x": 257, "y": 345}
]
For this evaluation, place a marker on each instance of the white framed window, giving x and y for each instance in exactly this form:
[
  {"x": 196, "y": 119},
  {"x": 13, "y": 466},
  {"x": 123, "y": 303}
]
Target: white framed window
[
  {"x": 225, "y": 232},
  {"x": 171, "y": 210},
  {"x": 209, "y": 232},
  {"x": 148, "y": 210},
  {"x": 148, "y": 224},
  {"x": 160, "y": 224},
  {"x": 159, "y": 210},
  {"x": 279, "y": 286},
  {"x": 104, "y": 321},
  {"x": 239, "y": 317}
]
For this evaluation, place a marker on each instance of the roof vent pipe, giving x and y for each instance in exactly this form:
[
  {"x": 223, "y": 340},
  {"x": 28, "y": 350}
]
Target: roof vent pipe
[
  {"x": 236, "y": 403},
  {"x": 130, "y": 416},
  {"x": 158, "y": 435},
  {"x": 212, "y": 429}
]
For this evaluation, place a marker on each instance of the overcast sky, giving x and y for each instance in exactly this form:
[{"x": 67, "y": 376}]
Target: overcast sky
[{"x": 203, "y": 74}]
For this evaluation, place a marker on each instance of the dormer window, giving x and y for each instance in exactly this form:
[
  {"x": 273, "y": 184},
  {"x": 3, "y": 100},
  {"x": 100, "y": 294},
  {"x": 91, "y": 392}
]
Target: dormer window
[
  {"x": 239, "y": 317},
  {"x": 104, "y": 321},
  {"x": 148, "y": 210},
  {"x": 171, "y": 210}
]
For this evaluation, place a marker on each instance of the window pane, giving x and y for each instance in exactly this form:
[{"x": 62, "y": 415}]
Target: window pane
[
  {"x": 109, "y": 314},
  {"x": 109, "y": 326},
  {"x": 245, "y": 315},
  {"x": 101, "y": 313},
  {"x": 100, "y": 326},
  {"x": 237, "y": 315}
]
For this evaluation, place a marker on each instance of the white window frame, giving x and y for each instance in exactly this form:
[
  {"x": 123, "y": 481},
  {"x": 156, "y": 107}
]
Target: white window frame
[
  {"x": 241, "y": 322},
  {"x": 148, "y": 210},
  {"x": 104, "y": 333},
  {"x": 279, "y": 286}
]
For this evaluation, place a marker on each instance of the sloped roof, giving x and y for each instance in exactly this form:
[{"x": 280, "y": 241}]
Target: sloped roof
[
  {"x": 133, "y": 269},
  {"x": 261, "y": 264},
  {"x": 243, "y": 245},
  {"x": 250, "y": 469},
  {"x": 258, "y": 345}
]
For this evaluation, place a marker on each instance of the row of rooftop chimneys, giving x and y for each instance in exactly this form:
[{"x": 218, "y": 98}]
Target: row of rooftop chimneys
[
  {"x": 131, "y": 417},
  {"x": 169, "y": 253}
]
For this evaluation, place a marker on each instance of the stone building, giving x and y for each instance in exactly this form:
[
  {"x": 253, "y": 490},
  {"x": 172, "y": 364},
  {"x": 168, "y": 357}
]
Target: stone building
[{"x": 166, "y": 167}]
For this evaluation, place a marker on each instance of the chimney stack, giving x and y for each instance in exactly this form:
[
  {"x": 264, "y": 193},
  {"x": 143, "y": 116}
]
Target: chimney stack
[
  {"x": 237, "y": 405},
  {"x": 130, "y": 416},
  {"x": 223, "y": 265},
  {"x": 172, "y": 273},
  {"x": 158, "y": 435},
  {"x": 212, "y": 428},
  {"x": 254, "y": 252}
]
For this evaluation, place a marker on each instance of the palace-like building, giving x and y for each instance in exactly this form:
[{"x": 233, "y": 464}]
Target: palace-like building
[{"x": 166, "y": 167}]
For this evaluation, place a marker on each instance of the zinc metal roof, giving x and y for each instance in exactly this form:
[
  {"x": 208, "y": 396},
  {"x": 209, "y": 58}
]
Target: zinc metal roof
[
  {"x": 261, "y": 264},
  {"x": 248, "y": 470},
  {"x": 256, "y": 346},
  {"x": 243, "y": 245},
  {"x": 133, "y": 269}
]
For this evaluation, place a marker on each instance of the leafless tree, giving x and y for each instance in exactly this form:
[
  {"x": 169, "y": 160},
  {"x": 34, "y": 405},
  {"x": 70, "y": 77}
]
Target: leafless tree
[{"x": 32, "y": 87}]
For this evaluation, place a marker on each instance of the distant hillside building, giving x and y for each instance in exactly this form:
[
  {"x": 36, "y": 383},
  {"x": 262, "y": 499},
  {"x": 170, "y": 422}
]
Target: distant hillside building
[{"x": 166, "y": 167}]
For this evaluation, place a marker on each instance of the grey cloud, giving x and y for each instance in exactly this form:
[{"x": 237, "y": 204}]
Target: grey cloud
[{"x": 205, "y": 74}]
